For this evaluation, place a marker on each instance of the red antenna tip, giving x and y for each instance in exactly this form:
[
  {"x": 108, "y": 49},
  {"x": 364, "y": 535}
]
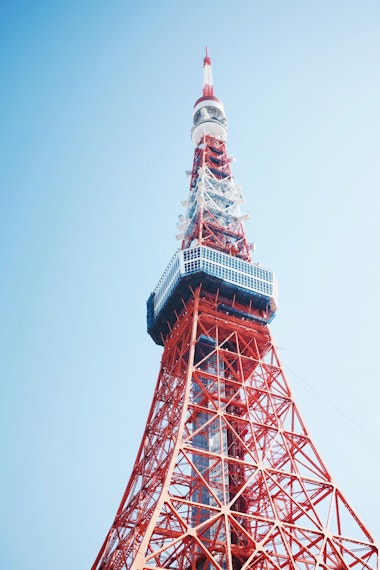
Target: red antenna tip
[{"x": 207, "y": 59}]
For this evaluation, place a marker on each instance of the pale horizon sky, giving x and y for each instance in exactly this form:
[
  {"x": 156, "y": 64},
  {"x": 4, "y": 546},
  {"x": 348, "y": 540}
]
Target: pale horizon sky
[{"x": 96, "y": 103}]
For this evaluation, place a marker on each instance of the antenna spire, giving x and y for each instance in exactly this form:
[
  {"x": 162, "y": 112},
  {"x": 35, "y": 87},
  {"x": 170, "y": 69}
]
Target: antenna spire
[{"x": 208, "y": 87}]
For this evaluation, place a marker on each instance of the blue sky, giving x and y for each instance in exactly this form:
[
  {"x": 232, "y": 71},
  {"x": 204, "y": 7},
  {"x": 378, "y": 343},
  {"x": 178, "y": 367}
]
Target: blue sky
[{"x": 96, "y": 103}]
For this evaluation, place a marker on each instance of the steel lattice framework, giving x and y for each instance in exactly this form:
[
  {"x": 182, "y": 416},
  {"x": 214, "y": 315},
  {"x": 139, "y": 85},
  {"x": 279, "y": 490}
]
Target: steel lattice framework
[{"x": 227, "y": 476}]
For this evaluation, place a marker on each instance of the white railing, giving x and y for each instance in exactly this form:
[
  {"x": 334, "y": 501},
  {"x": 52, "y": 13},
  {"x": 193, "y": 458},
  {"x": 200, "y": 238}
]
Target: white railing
[{"x": 253, "y": 278}]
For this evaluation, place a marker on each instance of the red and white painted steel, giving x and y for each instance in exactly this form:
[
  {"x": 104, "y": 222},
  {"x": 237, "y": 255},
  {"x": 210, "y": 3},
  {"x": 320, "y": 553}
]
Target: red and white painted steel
[{"x": 227, "y": 476}]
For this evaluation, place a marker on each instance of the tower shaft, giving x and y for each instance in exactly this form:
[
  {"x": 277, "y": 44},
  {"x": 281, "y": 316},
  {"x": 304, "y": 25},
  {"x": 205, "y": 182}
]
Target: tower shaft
[{"x": 227, "y": 475}]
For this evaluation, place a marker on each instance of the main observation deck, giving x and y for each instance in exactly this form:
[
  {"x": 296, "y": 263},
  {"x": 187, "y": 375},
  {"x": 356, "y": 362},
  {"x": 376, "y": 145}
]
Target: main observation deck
[{"x": 236, "y": 279}]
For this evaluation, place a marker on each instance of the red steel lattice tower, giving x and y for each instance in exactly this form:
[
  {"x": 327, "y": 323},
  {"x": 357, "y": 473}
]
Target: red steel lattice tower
[{"x": 227, "y": 476}]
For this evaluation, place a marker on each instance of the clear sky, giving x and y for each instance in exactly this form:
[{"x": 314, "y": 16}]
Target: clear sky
[{"x": 96, "y": 100}]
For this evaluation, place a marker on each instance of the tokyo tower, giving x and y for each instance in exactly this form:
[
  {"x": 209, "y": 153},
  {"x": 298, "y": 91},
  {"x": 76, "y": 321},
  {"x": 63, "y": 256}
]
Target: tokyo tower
[{"x": 227, "y": 476}]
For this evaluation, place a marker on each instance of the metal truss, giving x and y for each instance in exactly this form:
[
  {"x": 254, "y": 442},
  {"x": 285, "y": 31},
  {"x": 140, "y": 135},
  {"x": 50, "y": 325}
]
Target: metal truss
[
  {"x": 227, "y": 476},
  {"x": 213, "y": 216}
]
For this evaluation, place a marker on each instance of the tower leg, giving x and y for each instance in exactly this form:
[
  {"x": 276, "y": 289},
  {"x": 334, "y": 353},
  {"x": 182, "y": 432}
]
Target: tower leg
[{"x": 227, "y": 477}]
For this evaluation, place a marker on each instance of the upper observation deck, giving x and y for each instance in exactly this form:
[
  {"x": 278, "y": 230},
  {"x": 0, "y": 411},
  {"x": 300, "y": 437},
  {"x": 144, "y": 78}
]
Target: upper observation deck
[{"x": 248, "y": 284}]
